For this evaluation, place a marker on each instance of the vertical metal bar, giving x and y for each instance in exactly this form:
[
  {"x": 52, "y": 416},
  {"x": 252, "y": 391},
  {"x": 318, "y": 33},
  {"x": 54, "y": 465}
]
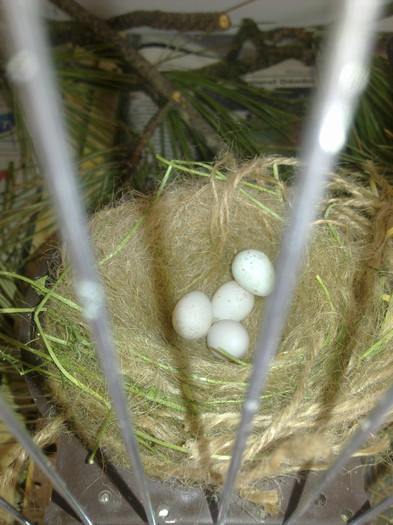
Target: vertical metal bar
[
  {"x": 21, "y": 434},
  {"x": 367, "y": 516},
  {"x": 367, "y": 426},
  {"x": 344, "y": 76},
  {"x": 29, "y": 68},
  {"x": 15, "y": 513}
]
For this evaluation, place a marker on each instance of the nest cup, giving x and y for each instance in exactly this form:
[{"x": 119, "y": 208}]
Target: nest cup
[{"x": 334, "y": 361}]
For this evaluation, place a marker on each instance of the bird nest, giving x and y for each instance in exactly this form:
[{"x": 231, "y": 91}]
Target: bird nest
[{"x": 334, "y": 361}]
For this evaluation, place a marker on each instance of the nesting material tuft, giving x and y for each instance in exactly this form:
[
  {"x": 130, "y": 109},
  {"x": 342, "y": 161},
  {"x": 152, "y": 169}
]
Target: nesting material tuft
[{"x": 334, "y": 361}]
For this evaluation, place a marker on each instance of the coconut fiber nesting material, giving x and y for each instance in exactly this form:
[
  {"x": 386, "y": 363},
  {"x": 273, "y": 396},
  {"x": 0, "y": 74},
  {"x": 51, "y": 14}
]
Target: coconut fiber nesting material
[{"x": 334, "y": 361}]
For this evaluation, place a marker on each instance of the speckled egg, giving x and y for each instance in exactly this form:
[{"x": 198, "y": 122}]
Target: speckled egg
[
  {"x": 192, "y": 316},
  {"x": 231, "y": 301},
  {"x": 253, "y": 271}
]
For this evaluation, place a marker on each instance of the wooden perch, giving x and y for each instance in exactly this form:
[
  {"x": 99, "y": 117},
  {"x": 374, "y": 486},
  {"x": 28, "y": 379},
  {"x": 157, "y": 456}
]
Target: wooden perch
[{"x": 157, "y": 83}]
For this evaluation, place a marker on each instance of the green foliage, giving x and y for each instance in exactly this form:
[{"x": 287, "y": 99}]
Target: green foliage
[
  {"x": 372, "y": 133},
  {"x": 222, "y": 103}
]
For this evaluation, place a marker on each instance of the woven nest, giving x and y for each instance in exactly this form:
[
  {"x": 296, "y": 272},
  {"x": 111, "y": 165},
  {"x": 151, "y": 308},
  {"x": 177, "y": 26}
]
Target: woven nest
[{"x": 334, "y": 361}]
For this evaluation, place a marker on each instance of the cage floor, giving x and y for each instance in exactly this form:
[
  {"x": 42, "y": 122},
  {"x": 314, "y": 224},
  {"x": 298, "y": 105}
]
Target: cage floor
[{"x": 107, "y": 494}]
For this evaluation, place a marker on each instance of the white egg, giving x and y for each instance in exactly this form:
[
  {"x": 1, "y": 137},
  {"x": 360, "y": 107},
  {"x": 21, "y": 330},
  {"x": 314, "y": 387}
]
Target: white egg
[
  {"x": 192, "y": 316},
  {"x": 253, "y": 270},
  {"x": 231, "y": 301},
  {"x": 232, "y": 336}
]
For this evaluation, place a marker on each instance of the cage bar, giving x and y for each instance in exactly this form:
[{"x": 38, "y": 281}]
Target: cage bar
[
  {"x": 29, "y": 69},
  {"x": 14, "y": 512},
  {"x": 366, "y": 427},
  {"x": 344, "y": 78},
  {"x": 38, "y": 456},
  {"x": 373, "y": 511}
]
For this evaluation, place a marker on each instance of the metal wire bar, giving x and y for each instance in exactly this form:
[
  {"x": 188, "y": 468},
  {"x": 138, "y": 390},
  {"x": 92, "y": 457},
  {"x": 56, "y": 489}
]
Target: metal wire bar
[
  {"x": 373, "y": 512},
  {"x": 344, "y": 77},
  {"x": 29, "y": 68},
  {"x": 14, "y": 512},
  {"x": 24, "y": 438},
  {"x": 368, "y": 425}
]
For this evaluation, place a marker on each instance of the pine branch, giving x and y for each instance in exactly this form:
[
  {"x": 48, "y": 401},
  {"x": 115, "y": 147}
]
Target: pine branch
[
  {"x": 176, "y": 21},
  {"x": 269, "y": 45},
  {"x": 147, "y": 134},
  {"x": 77, "y": 34},
  {"x": 158, "y": 83}
]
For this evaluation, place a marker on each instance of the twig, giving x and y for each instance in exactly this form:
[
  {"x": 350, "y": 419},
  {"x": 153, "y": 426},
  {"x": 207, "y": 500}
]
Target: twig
[
  {"x": 265, "y": 42},
  {"x": 61, "y": 32},
  {"x": 271, "y": 47},
  {"x": 146, "y": 136},
  {"x": 158, "y": 83},
  {"x": 178, "y": 21}
]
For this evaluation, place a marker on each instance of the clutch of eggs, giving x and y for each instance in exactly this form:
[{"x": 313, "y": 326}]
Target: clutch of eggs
[{"x": 195, "y": 316}]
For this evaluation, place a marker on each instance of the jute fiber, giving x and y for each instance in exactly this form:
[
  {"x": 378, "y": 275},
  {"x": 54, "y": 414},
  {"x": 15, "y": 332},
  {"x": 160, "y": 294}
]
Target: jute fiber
[{"x": 334, "y": 361}]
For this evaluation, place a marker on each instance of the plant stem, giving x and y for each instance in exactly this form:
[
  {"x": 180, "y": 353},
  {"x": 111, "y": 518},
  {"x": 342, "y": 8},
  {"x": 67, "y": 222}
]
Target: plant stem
[{"x": 145, "y": 138}]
